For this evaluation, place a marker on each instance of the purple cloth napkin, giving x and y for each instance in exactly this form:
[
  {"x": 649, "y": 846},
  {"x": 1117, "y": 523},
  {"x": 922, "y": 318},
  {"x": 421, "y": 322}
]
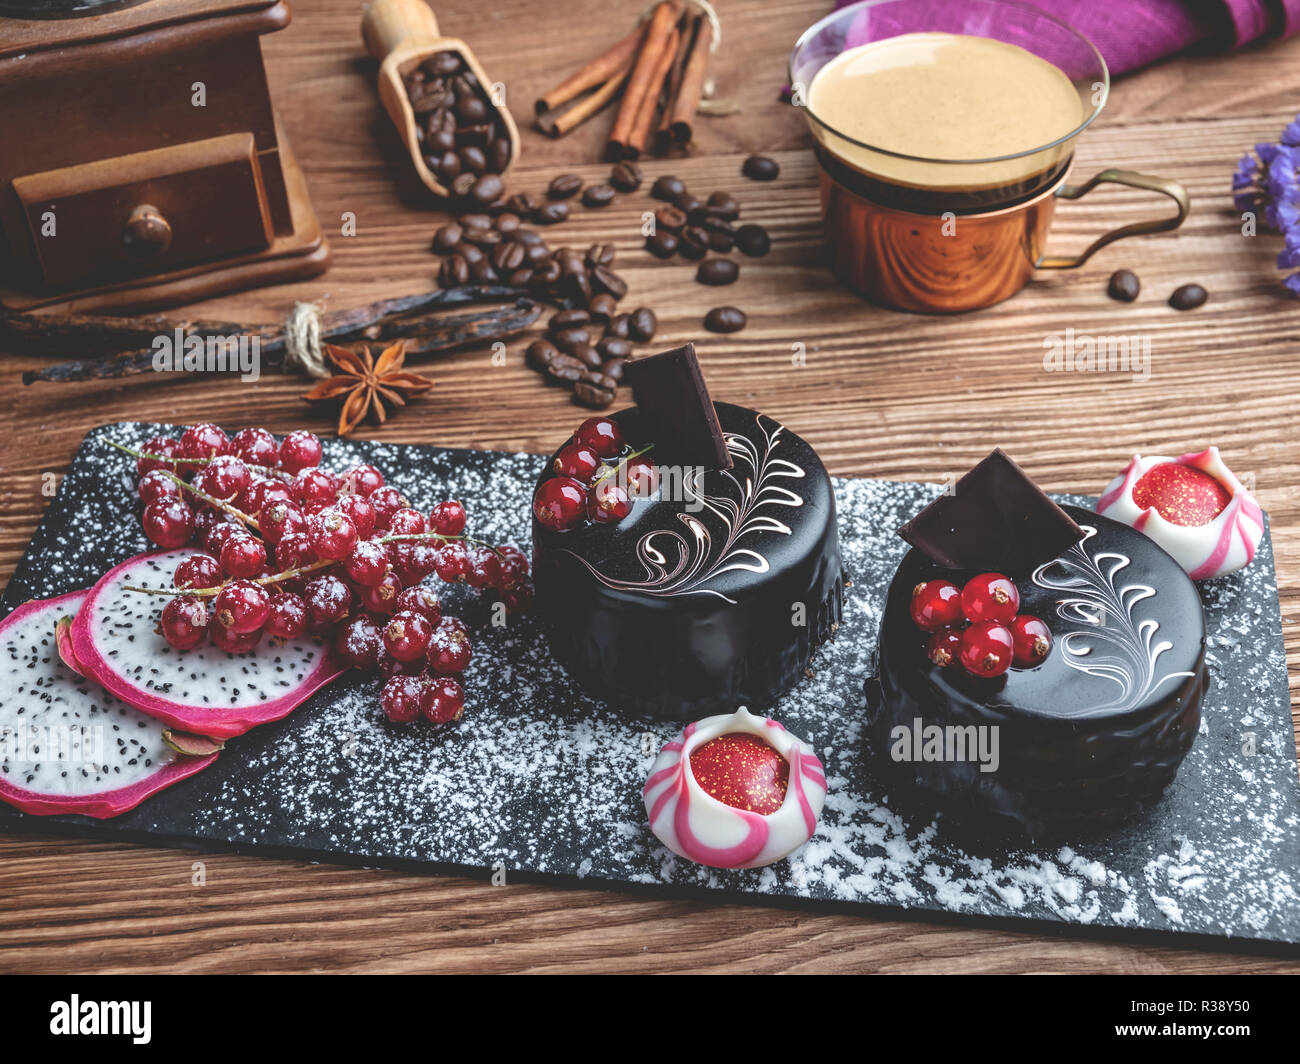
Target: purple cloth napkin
[{"x": 1133, "y": 33}]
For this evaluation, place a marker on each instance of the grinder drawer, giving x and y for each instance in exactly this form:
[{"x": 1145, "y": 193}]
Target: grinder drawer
[{"x": 147, "y": 213}]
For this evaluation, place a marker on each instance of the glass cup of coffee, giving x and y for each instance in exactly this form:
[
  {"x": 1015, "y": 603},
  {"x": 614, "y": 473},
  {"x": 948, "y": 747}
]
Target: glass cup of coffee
[{"x": 944, "y": 132}]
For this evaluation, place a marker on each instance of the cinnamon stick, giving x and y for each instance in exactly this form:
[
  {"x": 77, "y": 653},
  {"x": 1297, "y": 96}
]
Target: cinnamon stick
[
  {"x": 640, "y": 83},
  {"x": 597, "y": 72},
  {"x": 645, "y": 119},
  {"x": 592, "y": 103},
  {"x": 688, "y": 99},
  {"x": 690, "y": 27}
]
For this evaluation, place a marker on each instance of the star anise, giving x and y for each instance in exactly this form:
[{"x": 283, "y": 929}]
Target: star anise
[{"x": 365, "y": 384}]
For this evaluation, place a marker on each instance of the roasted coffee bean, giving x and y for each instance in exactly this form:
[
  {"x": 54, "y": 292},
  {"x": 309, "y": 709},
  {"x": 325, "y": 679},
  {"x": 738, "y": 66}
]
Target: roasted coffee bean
[
  {"x": 721, "y": 241},
  {"x": 723, "y": 205},
  {"x": 427, "y": 102},
  {"x": 1124, "y": 286},
  {"x": 671, "y": 218},
  {"x": 507, "y": 223},
  {"x": 471, "y": 253},
  {"x": 488, "y": 189},
  {"x": 506, "y": 258},
  {"x": 619, "y": 327},
  {"x": 476, "y": 220},
  {"x": 694, "y": 242},
  {"x": 483, "y": 273},
  {"x": 446, "y": 238},
  {"x": 626, "y": 177},
  {"x": 667, "y": 188},
  {"x": 761, "y": 168},
  {"x": 474, "y": 136},
  {"x": 1188, "y": 297},
  {"x": 537, "y": 253},
  {"x": 448, "y": 168},
  {"x": 592, "y": 395},
  {"x": 551, "y": 213},
  {"x": 662, "y": 244},
  {"x": 540, "y": 353},
  {"x": 717, "y": 272},
  {"x": 437, "y": 138},
  {"x": 603, "y": 306},
  {"x": 472, "y": 159},
  {"x": 613, "y": 347},
  {"x": 498, "y": 154},
  {"x": 598, "y": 195},
  {"x": 565, "y": 319},
  {"x": 753, "y": 240},
  {"x": 463, "y": 183},
  {"x": 570, "y": 261},
  {"x": 569, "y": 337},
  {"x": 453, "y": 272},
  {"x": 688, "y": 203},
  {"x": 642, "y": 325},
  {"x": 564, "y": 186},
  {"x": 579, "y": 287},
  {"x": 565, "y": 369},
  {"x": 546, "y": 273},
  {"x": 600, "y": 255},
  {"x": 483, "y": 238},
  {"x": 442, "y": 65},
  {"x": 725, "y": 320},
  {"x": 587, "y": 355},
  {"x": 471, "y": 109},
  {"x": 522, "y": 204},
  {"x": 609, "y": 281},
  {"x": 520, "y": 278},
  {"x": 521, "y": 235},
  {"x": 613, "y": 369}
]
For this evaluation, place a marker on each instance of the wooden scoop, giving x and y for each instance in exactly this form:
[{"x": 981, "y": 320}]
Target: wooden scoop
[{"x": 402, "y": 34}]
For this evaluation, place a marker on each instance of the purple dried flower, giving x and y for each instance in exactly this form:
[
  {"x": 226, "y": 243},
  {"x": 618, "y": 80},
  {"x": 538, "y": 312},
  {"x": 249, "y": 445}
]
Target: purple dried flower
[
  {"x": 1291, "y": 135},
  {"x": 1269, "y": 182}
]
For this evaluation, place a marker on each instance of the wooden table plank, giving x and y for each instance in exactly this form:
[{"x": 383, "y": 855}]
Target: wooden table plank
[{"x": 881, "y": 394}]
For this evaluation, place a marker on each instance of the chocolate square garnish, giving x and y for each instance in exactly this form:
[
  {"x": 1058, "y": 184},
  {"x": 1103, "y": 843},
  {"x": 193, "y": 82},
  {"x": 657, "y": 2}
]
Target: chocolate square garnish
[
  {"x": 995, "y": 518},
  {"x": 674, "y": 401}
]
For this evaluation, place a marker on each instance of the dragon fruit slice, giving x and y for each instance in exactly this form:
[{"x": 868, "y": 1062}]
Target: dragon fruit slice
[
  {"x": 206, "y": 691},
  {"x": 67, "y": 745}
]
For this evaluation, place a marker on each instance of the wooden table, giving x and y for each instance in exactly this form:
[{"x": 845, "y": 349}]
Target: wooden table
[{"x": 882, "y": 394}]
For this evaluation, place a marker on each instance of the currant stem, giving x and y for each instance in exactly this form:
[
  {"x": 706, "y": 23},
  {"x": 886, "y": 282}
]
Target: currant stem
[
  {"x": 215, "y": 503},
  {"x": 621, "y": 463},
  {"x": 209, "y": 592},
  {"x": 164, "y": 460}
]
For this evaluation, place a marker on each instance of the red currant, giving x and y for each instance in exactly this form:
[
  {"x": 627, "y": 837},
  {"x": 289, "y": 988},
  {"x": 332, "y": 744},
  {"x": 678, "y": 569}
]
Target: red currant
[
  {"x": 168, "y": 522},
  {"x": 448, "y": 518},
  {"x": 204, "y": 441},
  {"x": 360, "y": 511},
  {"x": 608, "y": 502},
  {"x": 986, "y": 648},
  {"x": 156, "y": 484},
  {"x": 517, "y": 599},
  {"x": 560, "y": 503},
  {"x": 442, "y": 700},
  {"x": 328, "y": 599},
  {"x": 363, "y": 480},
  {"x": 944, "y": 647},
  {"x": 315, "y": 489},
  {"x": 452, "y": 563},
  {"x": 382, "y": 597},
  {"x": 300, "y": 450},
  {"x": 514, "y": 568},
  {"x": 484, "y": 569},
  {"x": 242, "y": 606},
  {"x": 386, "y": 500},
  {"x": 641, "y": 477},
  {"x": 196, "y": 572},
  {"x": 263, "y": 492},
  {"x": 407, "y": 522},
  {"x": 256, "y": 447},
  {"x": 332, "y": 535},
  {"x": 233, "y": 642},
  {"x": 243, "y": 556},
  {"x": 367, "y": 564},
  {"x": 990, "y": 597},
  {"x": 287, "y": 618},
  {"x": 578, "y": 461},
  {"x": 602, "y": 435},
  {"x": 449, "y": 649},
  {"x": 223, "y": 528},
  {"x": 357, "y": 643},
  {"x": 185, "y": 622},
  {"x": 1032, "y": 641},
  {"x": 400, "y": 698},
  {"x": 407, "y": 635},
  {"x": 935, "y": 604},
  {"x": 165, "y": 447},
  {"x": 421, "y": 600},
  {"x": 278, "y": 519},
  {"x": 293, "y": 552},
  {"x": 413, "y": 561},
  {"x": 225, "y": 477}
]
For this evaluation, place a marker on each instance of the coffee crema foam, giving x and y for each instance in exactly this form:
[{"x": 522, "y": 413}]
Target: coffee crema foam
[{"x": 944, "y": 96}]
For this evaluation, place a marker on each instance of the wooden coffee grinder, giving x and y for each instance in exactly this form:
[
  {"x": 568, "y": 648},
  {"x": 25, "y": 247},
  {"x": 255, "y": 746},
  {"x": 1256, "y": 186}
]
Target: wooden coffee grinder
[{"x": 141, "y": 164}]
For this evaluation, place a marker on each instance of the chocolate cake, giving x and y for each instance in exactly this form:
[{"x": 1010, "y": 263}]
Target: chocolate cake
[
  {"x": 1093, "y": 732},
  {"x": 711, "y": 593}
]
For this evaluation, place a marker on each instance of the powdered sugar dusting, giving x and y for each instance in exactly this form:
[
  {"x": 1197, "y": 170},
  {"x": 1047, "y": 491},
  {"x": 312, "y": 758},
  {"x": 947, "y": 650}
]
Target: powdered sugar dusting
[{"x": 538, "y": 780}]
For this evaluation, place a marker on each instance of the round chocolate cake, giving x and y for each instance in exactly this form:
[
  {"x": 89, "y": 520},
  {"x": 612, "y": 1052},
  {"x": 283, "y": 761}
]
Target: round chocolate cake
[
  {"x": 1089, "y": 735},
  {"x": 713, "y": 592}
]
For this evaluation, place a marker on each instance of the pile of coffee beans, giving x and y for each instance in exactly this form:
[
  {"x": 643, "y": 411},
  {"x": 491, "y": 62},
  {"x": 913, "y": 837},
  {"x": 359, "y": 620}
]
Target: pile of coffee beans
[
  {"x": 587, "y": 348},
  {"x": 461, "y": 134}
]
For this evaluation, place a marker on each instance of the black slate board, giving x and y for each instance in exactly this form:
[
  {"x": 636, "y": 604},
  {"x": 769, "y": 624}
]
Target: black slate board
[{"x": 541, "y": 782}]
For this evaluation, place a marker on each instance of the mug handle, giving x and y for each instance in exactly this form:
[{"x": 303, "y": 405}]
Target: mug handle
[{"x": 1132, "y": 179}]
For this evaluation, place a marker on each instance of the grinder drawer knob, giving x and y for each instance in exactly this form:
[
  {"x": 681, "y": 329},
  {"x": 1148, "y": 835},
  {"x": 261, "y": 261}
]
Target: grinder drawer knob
[{"x": 147, "y": 232}]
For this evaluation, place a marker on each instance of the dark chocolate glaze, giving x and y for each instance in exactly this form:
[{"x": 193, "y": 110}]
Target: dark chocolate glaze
[
  {"x": 1076, "y": 748},
  {"x": 718, "y": 635}
]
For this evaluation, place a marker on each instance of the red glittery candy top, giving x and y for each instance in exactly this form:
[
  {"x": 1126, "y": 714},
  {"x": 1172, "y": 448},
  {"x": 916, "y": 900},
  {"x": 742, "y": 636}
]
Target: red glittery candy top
[
  {"x": 1181, "y": 494},
  {"x": 742, "y": 771}
]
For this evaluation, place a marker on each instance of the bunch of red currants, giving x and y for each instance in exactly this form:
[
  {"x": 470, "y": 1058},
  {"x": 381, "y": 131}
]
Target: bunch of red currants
[
  {"x": 979, "y": 625},
  {"x": 596, "y": 478},
  {"x": 292, "y": 550}
]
